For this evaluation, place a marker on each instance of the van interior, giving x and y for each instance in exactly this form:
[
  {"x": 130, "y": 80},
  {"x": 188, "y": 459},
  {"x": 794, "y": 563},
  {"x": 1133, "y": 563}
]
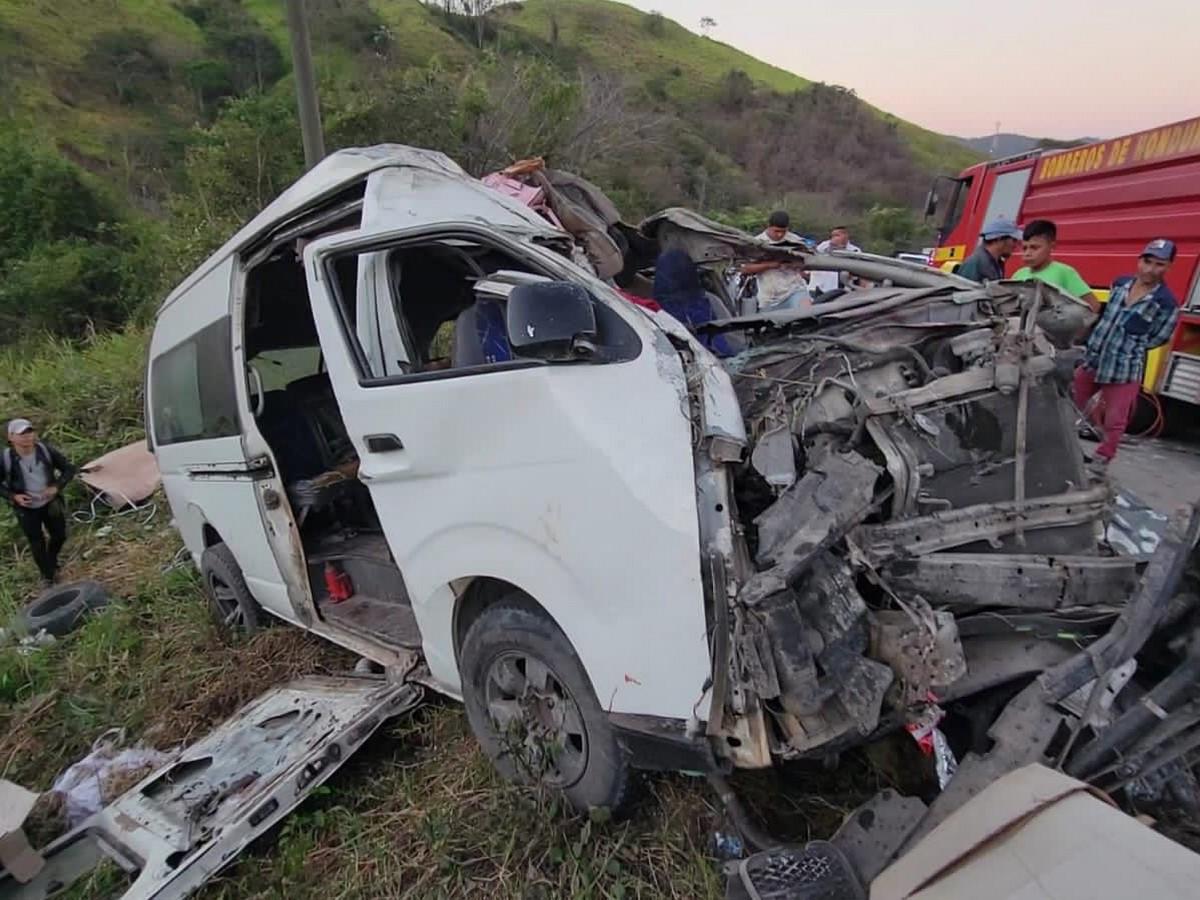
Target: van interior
[{"x": 448, "y": 318}]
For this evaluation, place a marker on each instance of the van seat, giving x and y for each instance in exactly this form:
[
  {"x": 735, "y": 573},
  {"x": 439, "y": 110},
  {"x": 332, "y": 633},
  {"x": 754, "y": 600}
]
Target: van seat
[
  {"x": 480, "y": 336},
  {"x": 290, "y": 434},
  {"x": 314, "y": 395}
]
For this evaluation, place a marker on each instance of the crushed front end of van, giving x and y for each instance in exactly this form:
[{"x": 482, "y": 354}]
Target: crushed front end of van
[{"x": 916, "y": 532}]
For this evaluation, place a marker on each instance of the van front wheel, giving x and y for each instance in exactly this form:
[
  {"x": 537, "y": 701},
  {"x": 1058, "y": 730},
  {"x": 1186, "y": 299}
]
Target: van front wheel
[
  {"x": 533, "y": 710},
  {"x": 233, "y": 607}
]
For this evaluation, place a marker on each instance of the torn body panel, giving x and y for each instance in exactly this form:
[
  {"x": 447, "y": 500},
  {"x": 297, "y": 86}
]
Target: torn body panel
[{"x": 184, "y": 823}]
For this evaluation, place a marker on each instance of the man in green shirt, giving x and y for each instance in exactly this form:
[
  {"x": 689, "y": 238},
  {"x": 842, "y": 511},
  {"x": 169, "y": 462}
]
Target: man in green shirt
[{"x": 1038, "y": 252}]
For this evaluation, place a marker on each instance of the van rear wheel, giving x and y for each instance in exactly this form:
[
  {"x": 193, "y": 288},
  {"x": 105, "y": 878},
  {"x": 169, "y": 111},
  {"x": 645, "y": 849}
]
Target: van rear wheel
[
  {"x": 233, "y": 607},
  {"x": 533, "y": 710}
]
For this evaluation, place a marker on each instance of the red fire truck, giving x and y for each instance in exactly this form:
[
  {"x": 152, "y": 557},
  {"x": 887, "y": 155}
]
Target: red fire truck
[{"x": 1108, "y": 200}]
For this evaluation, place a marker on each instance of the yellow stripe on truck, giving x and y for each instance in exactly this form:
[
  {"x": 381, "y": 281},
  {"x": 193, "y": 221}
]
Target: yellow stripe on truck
[
  {"x": 948, "y": 259},
  {"x": 955, "y": 253},
  {"x": 1155, "y": 360}
]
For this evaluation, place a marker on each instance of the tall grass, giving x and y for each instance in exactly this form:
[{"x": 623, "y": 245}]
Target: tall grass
[{"x": 85, "y": 398}]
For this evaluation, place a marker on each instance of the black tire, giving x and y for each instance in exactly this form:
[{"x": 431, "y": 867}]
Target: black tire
[
  {"x": 558, "y": 734},
  {"x": 230, "y": 602},
  {"x": 61, "y": 609}
]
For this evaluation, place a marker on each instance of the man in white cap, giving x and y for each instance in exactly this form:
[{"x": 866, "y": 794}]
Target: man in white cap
[
  {"x": 34, "y": 474},
  {"x": 998, "y": 240}
]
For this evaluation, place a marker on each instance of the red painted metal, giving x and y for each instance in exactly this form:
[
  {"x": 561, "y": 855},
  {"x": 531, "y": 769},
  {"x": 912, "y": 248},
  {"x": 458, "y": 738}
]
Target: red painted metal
[{"x": 1108, "y": 199}]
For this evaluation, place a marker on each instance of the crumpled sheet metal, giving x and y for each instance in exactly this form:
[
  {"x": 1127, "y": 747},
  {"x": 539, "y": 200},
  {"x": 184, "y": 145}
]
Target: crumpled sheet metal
[
  {"x": 187, "y": 821},
  {"x": 833, "y": 497}
]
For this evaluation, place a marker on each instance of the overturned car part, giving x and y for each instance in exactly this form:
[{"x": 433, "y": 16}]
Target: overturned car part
[{"x": 185, "y": 822}]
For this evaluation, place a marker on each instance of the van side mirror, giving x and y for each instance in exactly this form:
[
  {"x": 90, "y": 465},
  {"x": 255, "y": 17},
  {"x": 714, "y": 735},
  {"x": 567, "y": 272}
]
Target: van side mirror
[
  {"x": 552, "y": 320},
  {"x": 931, "y": 203}
]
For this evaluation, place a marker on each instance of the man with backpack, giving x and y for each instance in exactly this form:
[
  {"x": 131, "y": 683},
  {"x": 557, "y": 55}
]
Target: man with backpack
[{"x": 34, "y": 474}]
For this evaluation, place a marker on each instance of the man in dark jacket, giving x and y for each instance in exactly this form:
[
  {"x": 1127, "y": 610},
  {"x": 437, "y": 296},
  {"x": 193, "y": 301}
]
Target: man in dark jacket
[
  {"x": 34, "y": 474},
  {"x": 997, "y": 242}
]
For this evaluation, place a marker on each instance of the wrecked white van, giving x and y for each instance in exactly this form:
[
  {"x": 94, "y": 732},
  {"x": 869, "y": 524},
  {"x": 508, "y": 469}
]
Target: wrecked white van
[
  {"x": 397, "y": 410},
  {"x": 525, "y": 520}
]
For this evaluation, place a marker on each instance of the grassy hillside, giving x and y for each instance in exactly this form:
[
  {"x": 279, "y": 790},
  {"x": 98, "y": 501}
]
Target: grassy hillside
[
  {"x": 119, "y": 85},
  {"x": 621, "y": 36},
  {"x": 654, "y": 48},
  {"x": 179, "y": 116},
  {"x": 50, "y": 80}
]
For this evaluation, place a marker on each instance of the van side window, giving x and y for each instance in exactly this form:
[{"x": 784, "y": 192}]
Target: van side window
[
  {"x": 192, "y": 388},
  {"x": 444, "y": 314}
]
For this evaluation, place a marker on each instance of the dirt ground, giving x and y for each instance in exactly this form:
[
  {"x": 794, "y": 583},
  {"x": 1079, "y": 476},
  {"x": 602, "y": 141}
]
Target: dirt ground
[{"x": 1165, "y": 474}]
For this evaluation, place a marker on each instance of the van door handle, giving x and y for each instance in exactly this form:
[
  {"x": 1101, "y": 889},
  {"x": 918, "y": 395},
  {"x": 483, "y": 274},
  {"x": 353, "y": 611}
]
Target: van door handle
[{"x": 383, "y": 443}]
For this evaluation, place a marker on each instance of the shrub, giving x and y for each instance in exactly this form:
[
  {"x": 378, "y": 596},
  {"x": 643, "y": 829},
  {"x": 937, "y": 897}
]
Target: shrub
[
  {"x": 87, "y": 395},
  {"x": 44, "y": 198},
  {"x": 126, "y": 61},
  {"x": 68, "y": 260}
]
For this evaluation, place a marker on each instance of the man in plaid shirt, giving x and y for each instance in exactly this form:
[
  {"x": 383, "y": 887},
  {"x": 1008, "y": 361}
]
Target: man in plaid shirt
[{"x": 1140, "y": 315}]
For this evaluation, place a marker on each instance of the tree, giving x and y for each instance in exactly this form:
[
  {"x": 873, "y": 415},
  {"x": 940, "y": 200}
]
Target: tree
[
  {"x": 892, "y": 228},
  {"x": 127, "y": 60},
  {"x": 209, "y": 79},
  {"x": 736, "y": 91},
  {"x": 64, "y": 249},
  {"x": 479, "y": 11},
  {"x": 707, "y": 24},
  {"x": 656, "y": 23}
]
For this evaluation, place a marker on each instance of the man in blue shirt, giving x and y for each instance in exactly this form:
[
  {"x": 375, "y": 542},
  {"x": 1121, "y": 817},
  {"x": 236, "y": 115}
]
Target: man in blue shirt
[{"x": 1140, "y": 315}]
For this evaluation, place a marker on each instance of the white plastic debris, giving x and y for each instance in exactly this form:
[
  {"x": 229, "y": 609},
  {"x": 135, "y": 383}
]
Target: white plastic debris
[
  {"x": 83, "y": 783},
  {"x": 31, "y": 643}
]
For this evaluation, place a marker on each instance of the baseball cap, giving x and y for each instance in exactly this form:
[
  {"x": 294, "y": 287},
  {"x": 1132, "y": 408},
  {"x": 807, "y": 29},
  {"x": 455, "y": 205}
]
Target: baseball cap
[
  {"x": 1160, "y": 248},
  {"x": 1000, "y": 228},
  {"x": 19, "y": 426}
]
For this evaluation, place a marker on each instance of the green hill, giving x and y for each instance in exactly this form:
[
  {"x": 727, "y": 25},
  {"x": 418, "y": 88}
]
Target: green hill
[
  {"x": 626, "y": 38},
  {"x": 118, "y": 84},
  {"x": 183, "y": 110}
]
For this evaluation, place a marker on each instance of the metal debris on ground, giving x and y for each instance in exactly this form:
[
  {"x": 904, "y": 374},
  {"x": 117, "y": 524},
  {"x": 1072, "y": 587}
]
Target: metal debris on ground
[
  {"x": 178, "y": 827},
  {"x": 1135, "y": 529}
]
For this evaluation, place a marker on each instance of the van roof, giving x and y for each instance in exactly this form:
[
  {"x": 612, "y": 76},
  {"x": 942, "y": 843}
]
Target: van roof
[{"x": 334, "y": 173}]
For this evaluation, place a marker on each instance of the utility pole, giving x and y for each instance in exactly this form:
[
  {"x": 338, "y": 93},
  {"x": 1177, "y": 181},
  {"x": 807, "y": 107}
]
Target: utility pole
[{"x": 306, "y": 85}]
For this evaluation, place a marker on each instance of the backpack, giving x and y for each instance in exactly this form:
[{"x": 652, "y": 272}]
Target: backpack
[{"x": 39, "y": 450}]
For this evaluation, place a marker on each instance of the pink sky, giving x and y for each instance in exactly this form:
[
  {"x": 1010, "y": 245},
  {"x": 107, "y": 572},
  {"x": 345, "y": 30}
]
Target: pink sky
[{"x": 1047, "y": 68}]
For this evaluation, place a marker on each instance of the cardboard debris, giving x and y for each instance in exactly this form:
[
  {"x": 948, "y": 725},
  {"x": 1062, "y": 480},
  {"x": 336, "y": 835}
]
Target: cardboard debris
[
  {"x": 124, "y": 477},
  {"x": 1037, "y": 834},
  {"x": 16, "y": 855}
]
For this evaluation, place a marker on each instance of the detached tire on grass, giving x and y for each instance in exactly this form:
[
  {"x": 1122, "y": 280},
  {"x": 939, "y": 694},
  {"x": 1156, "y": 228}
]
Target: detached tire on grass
[
  {"x": 230, "y": 602},
  {"x": 533, "y": 709},
  {"x": 61, "y": 609}
]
